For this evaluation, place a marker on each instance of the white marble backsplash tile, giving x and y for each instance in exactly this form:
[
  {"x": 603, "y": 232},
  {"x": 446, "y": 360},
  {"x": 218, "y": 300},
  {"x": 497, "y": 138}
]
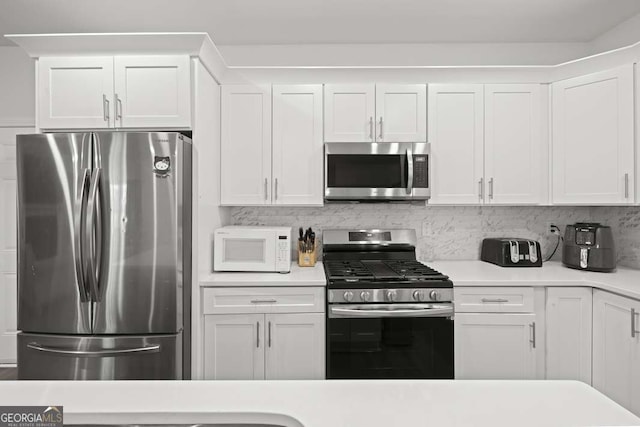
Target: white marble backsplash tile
[
  {"x": 625, "y": 224},
  {"x": 450, "y": 232}
]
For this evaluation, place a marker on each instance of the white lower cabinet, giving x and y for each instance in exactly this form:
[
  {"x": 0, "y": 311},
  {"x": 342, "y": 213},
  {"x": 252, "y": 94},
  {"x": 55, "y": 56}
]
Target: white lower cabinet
[
  {"x": 616, "y": 348},
  {"x": 270, "y": 337},
  {"x": 495, "y": 346},
  {"x": 295, "y": 346},
  {"x": 568, "y": 334},
  {"x": 233, "y": 349}
]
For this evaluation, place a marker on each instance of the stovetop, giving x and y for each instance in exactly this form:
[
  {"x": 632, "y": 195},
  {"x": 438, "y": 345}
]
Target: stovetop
[{"x": 370, "y": 273}]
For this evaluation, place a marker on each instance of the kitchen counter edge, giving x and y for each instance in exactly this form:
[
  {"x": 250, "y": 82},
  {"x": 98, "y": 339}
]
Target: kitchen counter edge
[
  {"x": 298, "y": 276},
  {"x": 623, "y": 281}
]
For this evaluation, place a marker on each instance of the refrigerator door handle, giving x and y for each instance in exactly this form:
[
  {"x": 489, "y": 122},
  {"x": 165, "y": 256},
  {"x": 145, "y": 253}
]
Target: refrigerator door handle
[
  {"x": 93, "y": 242},
  {"x": 78, "y": 250},
  {"x": 95, "y": 353}
]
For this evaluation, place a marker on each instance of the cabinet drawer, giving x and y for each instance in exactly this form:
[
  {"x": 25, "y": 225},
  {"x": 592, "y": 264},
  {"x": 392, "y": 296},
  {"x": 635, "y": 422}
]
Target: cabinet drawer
[
  {"x": 493, "y": 300},
  {"x": 263, "y": 300}
]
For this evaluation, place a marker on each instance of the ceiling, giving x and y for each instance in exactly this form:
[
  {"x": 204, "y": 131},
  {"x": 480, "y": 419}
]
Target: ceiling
[{"x": 237, "y": 22}]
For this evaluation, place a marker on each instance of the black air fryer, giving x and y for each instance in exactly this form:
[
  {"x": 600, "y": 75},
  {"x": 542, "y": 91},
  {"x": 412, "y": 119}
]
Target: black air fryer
[{"x": 589, "y": 246}]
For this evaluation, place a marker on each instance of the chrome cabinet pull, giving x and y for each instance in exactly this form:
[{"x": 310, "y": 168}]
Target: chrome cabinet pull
[
  {"x": 481, "y": 189},
  {"x": 276, "y": 191},
  {"x": 633, "y": 323},
  {"x": 491, "y": 188},
  {"x": 626, "y": 185},
  {"x": 485, "y": 300},
  {"x": 258, "y": 334},
  {"x": 371, "y": 127},
  {"x": 118, "y": 108},
  {"x": 105, "y": 108},
  {"x": 269, "y": 334},
  {"x": 532, "y": 326},
  {"x": 266, "y": 194},
  {"x": 381, "y": 128},
  {"x": 263, "y": 301}
]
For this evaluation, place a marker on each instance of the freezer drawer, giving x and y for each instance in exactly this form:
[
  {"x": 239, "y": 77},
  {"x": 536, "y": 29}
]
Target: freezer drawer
[{"x": 64, "y": 357}]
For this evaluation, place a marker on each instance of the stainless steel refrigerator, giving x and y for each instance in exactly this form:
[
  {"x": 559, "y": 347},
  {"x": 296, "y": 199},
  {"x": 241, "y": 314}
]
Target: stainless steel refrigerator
[{"x": 104, "y": 255}]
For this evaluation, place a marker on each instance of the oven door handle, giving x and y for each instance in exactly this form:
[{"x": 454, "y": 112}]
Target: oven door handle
[{"x": 411, "y": 311}]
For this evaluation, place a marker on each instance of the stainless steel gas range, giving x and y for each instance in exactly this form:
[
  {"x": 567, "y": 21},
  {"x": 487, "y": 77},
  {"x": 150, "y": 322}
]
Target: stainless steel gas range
[{"x": 388, "y": 315}]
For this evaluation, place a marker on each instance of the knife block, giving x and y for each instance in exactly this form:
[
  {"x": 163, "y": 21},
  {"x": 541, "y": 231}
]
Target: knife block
[{"x": 307, "y": 259}]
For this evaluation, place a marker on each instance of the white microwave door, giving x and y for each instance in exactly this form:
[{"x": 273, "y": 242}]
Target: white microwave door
[{"x": 245, "y": 250}]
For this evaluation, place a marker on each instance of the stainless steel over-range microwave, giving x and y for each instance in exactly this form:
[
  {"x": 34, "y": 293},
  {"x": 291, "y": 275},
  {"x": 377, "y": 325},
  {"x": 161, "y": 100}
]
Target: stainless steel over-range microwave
[{"x": 386, "y": 171}]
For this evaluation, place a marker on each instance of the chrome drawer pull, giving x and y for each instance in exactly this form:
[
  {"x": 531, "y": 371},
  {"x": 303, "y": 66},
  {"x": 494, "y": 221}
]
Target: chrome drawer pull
[
  {"x": 494, "y": 300},
  {"x": 263, "y": 301}
]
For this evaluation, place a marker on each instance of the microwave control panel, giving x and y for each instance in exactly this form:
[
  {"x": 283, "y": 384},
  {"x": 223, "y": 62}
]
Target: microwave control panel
[
  {"x": 421, "y": 171},
  {"x": 283, "y": 254}
]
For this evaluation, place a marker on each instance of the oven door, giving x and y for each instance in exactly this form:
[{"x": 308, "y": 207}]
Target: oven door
[
  {"x": 385, "y": 171},
  {"x": 390, "y": 341}
]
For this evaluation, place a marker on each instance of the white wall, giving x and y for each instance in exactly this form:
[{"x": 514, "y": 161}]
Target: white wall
[
  {"x": 403, "y": 54},
  {"x": 624, "y": 34},
  {"x": 17, "y": 88}
]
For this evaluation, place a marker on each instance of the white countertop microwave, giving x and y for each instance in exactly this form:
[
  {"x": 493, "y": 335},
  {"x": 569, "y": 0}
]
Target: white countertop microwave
[{"x": 252, "y": 248}]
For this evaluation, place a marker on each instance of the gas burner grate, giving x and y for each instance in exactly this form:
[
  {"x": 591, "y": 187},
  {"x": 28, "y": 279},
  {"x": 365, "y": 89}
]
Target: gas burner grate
[
  {"x": 349, "y": 269},
  {"x": 414, "y": 269}
]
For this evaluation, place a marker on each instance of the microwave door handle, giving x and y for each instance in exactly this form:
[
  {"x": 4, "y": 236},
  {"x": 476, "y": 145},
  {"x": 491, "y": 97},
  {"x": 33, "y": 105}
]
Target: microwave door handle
[{"x": 409, "y": 171}]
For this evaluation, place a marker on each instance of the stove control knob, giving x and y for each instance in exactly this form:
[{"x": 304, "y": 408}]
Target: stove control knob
[
  {"x": 434, "y": 295},
  {"x": 348, "y": 296},
  {"x": 418, "y": 295},
  {"x": 365, "y": 296},
  {"x": 391, "y": 296}
]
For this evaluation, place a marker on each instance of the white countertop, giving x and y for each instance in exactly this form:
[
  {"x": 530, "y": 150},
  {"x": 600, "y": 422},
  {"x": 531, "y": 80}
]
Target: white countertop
[
  {"x": 324, "y": 403},
  {"x": 299, "y": 276},
  {"x": 624, "y": 281}
]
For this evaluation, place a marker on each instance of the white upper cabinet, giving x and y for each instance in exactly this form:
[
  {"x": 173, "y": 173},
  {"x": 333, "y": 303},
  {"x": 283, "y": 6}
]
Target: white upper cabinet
[
  {"x": 401, "y": 112},
  {"x": 375, "y": 113},
  {"x": 258, "y": 171},
  {"x": 349, "y": 113},
  {"x": 107, "y": 92},
  {"x": 246, "y": 145},
  {"x": 297, "y": 145},
  {"x": 569, "y": 326},
  {"x": 513, "y": 144},
  {"x": 456, "y": 134},
  {"x": 75, "y": 92},
  {"x": 152, "y": 91},
  {"x": 616, "y": 348},
  {"x": 593, "y": 139}
]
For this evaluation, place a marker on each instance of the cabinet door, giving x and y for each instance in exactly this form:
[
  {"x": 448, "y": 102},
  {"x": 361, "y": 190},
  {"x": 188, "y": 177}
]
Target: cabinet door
[
  {"x": 401, "y": 112},
  {"x": 295, "y": 346},
  {"x": 245, "y": 170},
  {"x": 349, "y": 113},
  {"x": 456, "y": 132},
  {"x": 152, "y": 91},
  {"x": 593, "y": 144},
  {"x": 616, "y": 349},
  {"x": 495, "y": 346},
  {"x": 75, "y": 92},
  {"x": 513, "y": 143},
  {"x": 234, "y": 347},
  {"x": 297, "y": 145},
  {"x": 569, "y": 334}
]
